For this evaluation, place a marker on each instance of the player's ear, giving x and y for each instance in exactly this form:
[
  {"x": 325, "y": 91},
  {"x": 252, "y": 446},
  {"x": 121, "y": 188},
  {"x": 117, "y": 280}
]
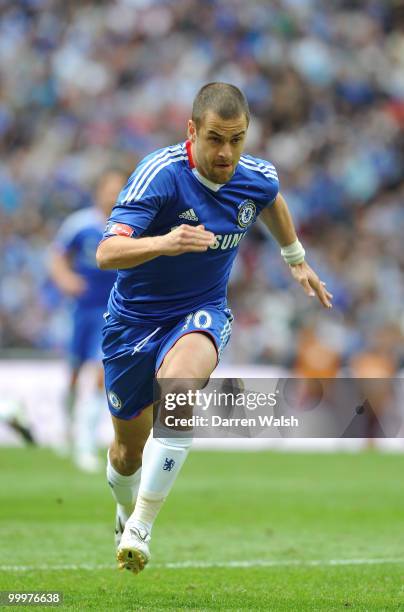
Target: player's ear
[{"x": 191, "y": 131}]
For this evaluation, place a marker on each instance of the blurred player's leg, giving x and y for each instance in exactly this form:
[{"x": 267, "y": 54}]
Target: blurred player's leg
[
  {"x": 69, "y": 403},
  {"x": 76, "y": 359},
  {"x": 88, "y": 418},
  {"x": 86, "y": 350},
  {"x": 193, "y": 356}
]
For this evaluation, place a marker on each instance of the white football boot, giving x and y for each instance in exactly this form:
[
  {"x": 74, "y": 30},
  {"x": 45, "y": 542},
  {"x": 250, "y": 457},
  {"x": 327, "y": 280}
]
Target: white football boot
[{"x": 133, "y": 550}]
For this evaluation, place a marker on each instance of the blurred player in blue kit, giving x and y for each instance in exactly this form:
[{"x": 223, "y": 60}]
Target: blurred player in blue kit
[
  {"x": 74, "y": 269},
  {"x": 173, "y": 236}
]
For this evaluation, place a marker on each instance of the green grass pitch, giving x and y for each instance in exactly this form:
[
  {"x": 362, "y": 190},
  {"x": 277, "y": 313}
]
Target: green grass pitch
[{"x": 314, "y": 532}]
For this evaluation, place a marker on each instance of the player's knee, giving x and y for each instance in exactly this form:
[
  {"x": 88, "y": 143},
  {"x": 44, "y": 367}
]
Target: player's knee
[
  {"x": 179, "y": 370},
  {"x": 127, "y": 459},
  {"x": 173, "y": 381},
  {"x": 177, "y": 385}
]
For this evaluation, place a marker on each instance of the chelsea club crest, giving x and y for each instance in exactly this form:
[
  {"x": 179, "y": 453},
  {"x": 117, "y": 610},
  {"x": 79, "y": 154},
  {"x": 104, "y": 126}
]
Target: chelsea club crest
[
  {"x": 246, "y": 213},
  {"x": 114, "y": 400}
]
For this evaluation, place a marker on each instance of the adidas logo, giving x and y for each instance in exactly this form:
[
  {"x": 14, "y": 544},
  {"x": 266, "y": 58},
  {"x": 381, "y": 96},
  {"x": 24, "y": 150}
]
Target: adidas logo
[{"x": 189, "y": 215}]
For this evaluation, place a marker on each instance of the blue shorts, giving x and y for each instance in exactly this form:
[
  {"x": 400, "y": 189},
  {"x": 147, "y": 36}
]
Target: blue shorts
[
  {"x": 134, "y": 353},
  {"x": 85, "y": 342}
]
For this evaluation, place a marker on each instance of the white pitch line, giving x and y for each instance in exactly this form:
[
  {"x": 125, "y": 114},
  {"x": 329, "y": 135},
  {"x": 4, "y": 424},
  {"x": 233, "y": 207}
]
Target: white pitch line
[{"x": 204, "y": 564}]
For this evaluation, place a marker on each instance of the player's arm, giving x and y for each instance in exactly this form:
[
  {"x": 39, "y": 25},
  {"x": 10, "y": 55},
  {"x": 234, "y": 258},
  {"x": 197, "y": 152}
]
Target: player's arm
[
  {"x": 278, "y": 220},
  {"x": 62, "y": 274},
  {"x": 120, "y": 252}
]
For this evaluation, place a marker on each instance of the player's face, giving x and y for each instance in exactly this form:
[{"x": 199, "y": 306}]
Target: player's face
[
  {"x": 217, "y": 145},
  {"x": 108, "y": 190}
]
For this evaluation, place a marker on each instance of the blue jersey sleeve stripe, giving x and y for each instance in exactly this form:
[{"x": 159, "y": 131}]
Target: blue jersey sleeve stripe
[
  {"x": 158, "y": 165},
  {"x": 266, "y": 173},
  {"x": 254, "y": 164},
  {"x": 265, "y": 168},
  {"x": 258, "y": 162},
  {"x": 157, "y": 170},
  {"x": 145, "y": 169},
  {"x": 270, "y": 170}
]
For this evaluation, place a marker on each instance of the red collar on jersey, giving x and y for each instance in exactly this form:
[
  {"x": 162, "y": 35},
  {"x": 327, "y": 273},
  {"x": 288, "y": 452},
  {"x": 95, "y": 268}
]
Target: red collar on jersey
[{"x": 188, "y": 145}]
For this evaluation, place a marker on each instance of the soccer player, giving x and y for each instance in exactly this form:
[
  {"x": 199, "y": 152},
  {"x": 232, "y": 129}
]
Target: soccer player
[
  {"x": 74, "y": 270},
  {"x": 173, "y": 236}
]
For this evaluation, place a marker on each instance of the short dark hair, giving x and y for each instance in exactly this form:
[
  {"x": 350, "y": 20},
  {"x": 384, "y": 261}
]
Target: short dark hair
[{"x": 227, "y": 101}]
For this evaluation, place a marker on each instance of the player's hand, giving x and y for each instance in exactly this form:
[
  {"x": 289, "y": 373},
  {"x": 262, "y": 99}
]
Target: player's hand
[
  {"x": 72, "y": 284},
  {"x": 187, "y": 239},
  {"x": 311, "y": 284}
]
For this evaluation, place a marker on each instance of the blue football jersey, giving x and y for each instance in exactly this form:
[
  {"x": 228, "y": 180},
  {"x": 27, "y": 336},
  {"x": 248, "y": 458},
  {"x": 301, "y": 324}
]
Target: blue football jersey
[
  {"x": 164, "y": 192},
  {"x": 78, "y": 237}
]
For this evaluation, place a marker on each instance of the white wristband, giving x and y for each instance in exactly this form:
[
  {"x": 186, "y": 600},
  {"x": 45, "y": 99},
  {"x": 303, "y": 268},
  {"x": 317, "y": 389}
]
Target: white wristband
[{"x": 293, "y": 253}]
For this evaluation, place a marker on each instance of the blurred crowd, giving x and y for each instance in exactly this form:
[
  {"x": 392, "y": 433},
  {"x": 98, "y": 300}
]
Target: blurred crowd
[{"x": 85, "y": 85}]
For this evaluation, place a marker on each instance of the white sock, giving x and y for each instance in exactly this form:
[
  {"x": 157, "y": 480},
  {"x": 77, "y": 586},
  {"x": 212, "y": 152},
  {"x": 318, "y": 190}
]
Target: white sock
[
  {"x": 163, "y": 459},
  {"x": 124, "y": 489}
]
